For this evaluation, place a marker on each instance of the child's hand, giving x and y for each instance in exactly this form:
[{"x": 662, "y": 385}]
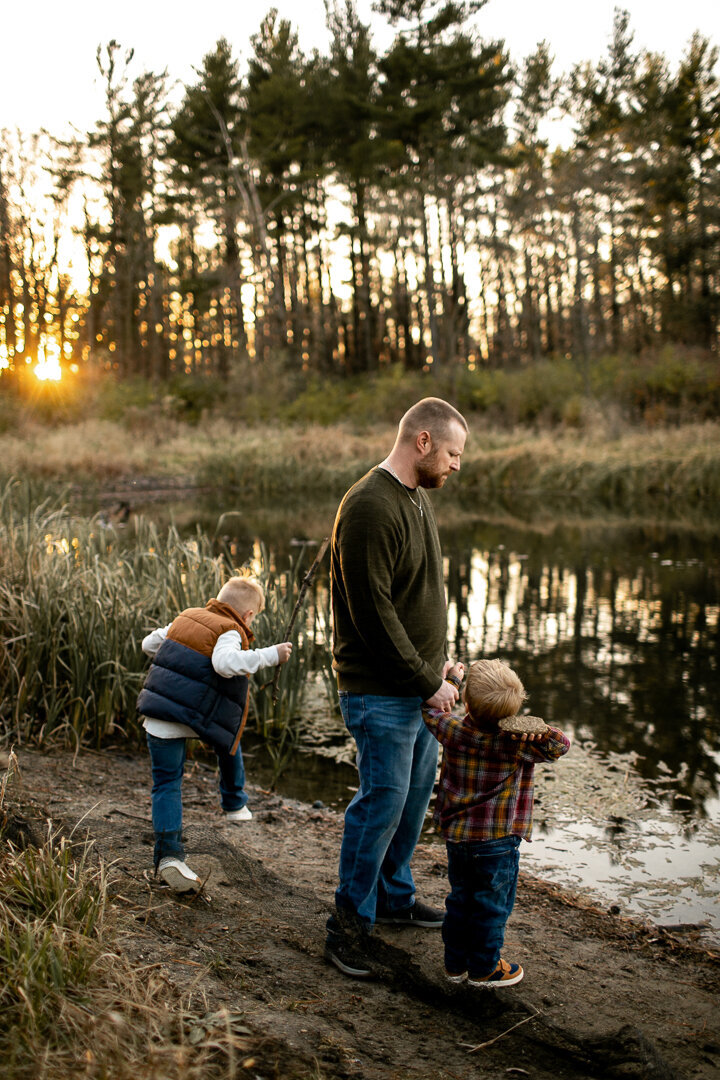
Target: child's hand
[
  {"x": 455, "y": 671},
  {"x": 284, "y": 651}
]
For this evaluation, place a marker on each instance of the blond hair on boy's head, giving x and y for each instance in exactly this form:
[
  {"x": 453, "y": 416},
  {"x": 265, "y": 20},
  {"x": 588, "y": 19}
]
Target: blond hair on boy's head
[
  {"x": 243, "y": 594},
  {"x": 493, "y": 690}
]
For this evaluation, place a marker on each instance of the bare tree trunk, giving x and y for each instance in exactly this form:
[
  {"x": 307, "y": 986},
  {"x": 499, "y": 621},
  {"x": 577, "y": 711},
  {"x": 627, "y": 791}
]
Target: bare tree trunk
[
  {"x": 365, "y": 329},
  {"x": 530, "y": 313},
  {"x": 615, "y": 313},
  {"x": 484, "y": 323},
  {"x": 7, "y": 288},
  {"x": 550, "y": 334},
  {"x": 402, "y": 310},
  {"x": 579, "y": 320},
  {"x": 430, "y": 299},
  {"x": 597, "y": 304}
]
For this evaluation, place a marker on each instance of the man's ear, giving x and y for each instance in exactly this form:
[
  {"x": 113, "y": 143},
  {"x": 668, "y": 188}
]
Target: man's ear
[{"x": 424, "y": 442}]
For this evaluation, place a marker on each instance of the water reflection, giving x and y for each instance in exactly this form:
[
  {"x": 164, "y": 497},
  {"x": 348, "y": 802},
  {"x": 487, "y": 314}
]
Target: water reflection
[
  {"x": 616, "y": 636},
  {"x": 614, "y": 629}
]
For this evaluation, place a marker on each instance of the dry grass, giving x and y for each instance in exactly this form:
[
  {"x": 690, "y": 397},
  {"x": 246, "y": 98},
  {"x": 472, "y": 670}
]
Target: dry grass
[
  {"x": 604, "y": 461},
  {"x": 680, "y": 465},
  {"x": 604, "y": 467},
  {"x": 99, "y": 450},
  {"x": 72, "y": 1003}
]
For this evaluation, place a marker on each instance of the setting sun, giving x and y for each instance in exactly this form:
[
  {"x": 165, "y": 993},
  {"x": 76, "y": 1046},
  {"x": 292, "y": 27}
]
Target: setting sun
[{"x": 48, "y": 363}]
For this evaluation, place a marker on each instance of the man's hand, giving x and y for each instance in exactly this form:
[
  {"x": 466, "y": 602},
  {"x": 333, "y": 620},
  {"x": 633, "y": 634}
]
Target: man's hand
[
  {"x": 284, "y": 651},
  {"x": 444, "y": 698}
]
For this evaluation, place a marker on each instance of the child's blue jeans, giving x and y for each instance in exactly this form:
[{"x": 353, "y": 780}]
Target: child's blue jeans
[
  {"x": 483, "y": 881},
  {"x": 167, "y": 761}
]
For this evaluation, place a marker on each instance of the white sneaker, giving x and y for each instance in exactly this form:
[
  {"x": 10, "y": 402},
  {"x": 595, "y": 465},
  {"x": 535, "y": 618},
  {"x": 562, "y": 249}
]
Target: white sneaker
[
  {"x": 456, "y": 978},
  {"x": 234, "y": 817},
  {"x": 178, "y": 875}
]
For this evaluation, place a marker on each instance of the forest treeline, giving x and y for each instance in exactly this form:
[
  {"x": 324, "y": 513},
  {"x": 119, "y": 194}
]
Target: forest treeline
[{"x": 427, "y": 205}]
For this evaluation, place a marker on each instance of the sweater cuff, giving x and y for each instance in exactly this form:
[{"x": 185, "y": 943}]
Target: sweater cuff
[{"x": 429, "y": 684}]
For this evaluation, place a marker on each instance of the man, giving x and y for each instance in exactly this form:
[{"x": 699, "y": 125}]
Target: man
[{"x": 390, "y": 655}]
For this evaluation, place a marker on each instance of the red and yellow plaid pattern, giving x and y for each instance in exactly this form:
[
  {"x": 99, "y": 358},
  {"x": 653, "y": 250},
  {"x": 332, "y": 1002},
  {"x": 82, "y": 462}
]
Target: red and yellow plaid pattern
[{"x": 486, "y": 779}]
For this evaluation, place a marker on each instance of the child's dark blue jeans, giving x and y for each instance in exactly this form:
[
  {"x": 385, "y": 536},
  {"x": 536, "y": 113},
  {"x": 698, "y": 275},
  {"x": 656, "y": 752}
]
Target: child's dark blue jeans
[
  {"x": 483, "y": 880},
  {"x": 167, "y": 760}
]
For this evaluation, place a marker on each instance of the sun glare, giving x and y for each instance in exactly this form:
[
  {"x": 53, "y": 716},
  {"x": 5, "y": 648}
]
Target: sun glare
[{"x": 48, "y": 367}]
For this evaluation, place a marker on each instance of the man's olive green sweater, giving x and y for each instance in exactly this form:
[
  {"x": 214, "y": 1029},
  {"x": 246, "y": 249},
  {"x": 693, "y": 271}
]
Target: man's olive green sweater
[{"x": 388, "y": 593}]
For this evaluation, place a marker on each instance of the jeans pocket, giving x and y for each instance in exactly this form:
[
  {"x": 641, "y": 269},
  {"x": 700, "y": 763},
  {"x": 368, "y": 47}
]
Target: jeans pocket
[
  {"x": 495, "y": 871},
  {"x": 492, "y": 878}
]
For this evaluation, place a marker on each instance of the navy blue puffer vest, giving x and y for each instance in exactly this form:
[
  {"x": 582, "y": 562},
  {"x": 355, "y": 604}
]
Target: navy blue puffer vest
[{"x": 183, "y": 687}]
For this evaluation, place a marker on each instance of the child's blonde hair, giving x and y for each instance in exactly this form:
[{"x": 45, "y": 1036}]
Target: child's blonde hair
[
  {"x": 243, "y": 594},
  {"x": 493, "y": 690}
]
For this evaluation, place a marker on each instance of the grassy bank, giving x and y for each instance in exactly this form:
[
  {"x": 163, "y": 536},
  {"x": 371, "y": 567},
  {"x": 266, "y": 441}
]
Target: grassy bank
[
  {"x": 615, "y": 431},
  {"x": 609, "y": 465}
]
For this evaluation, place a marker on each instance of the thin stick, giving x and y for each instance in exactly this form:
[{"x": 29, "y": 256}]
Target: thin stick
[
  {"x": 482, "y": 1046},
  {"x": 303, "y": 589}
]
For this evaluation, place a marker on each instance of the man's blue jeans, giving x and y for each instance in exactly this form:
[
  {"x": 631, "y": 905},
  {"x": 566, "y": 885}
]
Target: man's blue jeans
[
  {"x": 167, "y": 760},
  {"x": 396, "y": 761},
  {"x": 483, "y": 881}
]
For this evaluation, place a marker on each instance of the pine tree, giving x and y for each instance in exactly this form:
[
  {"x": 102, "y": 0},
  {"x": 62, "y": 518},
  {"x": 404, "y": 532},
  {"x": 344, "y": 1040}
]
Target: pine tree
[{"x": 202, "y": 152}]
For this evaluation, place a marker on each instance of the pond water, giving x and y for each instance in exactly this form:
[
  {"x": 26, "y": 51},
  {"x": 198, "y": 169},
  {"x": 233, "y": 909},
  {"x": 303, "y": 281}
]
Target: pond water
[{"x": 614, "y": 630}]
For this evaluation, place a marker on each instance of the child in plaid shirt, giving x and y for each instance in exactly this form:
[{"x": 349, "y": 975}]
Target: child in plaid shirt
[{"x": 484, "y": 809}]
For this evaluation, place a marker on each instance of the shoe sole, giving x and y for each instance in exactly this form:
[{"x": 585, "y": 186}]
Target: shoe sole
[
  {"x": 425, "y": 923},
  {"x": 355, "y": 973},
  {"x": 497, "y": 984},
  {"x": 178, "y": 882}
]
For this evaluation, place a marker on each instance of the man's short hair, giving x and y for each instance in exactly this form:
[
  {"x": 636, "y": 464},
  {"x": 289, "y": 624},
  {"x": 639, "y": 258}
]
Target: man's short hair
[
  {"x": 430, "y": 414},
  {"x": 493, "y": 690},
  {"x": 243, "y": 594}
]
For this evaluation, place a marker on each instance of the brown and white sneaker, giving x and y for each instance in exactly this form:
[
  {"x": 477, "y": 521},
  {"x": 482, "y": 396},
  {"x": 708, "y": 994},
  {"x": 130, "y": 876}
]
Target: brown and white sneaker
[{"x": 504, "y": 974}]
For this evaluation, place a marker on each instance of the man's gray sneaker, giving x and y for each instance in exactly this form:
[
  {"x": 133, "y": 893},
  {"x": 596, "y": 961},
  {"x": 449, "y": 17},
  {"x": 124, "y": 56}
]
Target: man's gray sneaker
[
  {"x": 347, "y": 944},
  {"x": 347, "y": 959},
  {"x": 418, "y": 914}
]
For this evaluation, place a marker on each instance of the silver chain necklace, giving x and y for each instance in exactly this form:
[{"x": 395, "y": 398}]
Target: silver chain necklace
[{"x": 403, "y": 486}]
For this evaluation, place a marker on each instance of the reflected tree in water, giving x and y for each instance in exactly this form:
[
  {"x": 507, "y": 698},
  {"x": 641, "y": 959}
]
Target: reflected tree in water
[{"x": 614, "y": 641}]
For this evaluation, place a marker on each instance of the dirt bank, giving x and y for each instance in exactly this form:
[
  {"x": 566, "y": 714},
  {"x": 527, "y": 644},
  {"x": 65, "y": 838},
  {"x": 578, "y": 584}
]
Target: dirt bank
[{"x": 603, "y": 996}]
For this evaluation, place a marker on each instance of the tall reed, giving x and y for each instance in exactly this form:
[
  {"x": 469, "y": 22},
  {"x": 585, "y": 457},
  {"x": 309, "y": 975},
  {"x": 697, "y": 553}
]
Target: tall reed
[
  {"x": 76, "y": 599},
  {"x": 278, "y": 704}
]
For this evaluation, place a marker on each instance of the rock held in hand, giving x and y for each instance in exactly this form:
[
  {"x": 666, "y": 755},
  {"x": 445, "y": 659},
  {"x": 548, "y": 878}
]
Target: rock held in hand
[{"x": 523, "y": 725}]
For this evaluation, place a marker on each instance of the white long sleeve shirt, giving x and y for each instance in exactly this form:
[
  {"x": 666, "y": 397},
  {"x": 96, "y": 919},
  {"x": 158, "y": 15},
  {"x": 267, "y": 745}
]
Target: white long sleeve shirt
[{"x": 228, "y": 659}]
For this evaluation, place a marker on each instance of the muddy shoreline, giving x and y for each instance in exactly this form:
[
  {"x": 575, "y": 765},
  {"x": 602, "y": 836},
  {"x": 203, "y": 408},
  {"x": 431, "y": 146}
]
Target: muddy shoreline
[{"x": 604, "y": 995}]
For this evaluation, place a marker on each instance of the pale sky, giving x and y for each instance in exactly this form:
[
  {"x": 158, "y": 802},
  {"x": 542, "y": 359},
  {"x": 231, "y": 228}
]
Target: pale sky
[{"x": 48, "y": 75}]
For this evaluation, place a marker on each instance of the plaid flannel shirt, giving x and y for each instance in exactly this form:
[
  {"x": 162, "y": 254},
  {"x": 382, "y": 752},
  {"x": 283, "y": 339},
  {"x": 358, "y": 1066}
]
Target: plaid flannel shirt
[{"x": 486, "y": 779}]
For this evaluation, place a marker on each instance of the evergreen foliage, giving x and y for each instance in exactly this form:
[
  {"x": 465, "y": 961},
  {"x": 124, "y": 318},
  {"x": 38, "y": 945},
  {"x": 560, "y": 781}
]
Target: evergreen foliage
[{"x": 431, "y": 204}]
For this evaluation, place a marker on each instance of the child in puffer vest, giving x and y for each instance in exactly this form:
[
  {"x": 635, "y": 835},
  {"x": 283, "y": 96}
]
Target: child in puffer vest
[{"x": 197, "y": 688}]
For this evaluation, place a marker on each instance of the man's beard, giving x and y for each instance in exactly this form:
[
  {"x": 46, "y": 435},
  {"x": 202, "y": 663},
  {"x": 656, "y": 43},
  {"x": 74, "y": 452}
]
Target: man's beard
[{"x": 428, "y": 474}]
